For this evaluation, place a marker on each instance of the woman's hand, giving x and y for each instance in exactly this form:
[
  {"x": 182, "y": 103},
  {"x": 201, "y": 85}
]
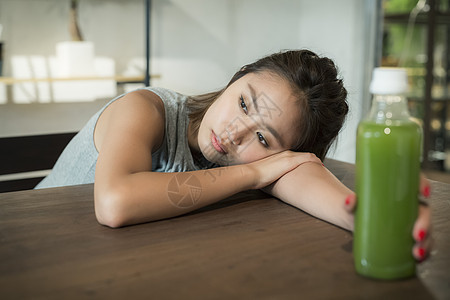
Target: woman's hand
[
  {"x": 422, "y": 227},
  {"x": 269, "y": 169}
]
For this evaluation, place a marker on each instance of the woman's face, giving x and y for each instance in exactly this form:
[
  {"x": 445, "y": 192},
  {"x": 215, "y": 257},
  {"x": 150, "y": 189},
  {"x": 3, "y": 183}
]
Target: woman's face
[{"x": 255, "y": 117}]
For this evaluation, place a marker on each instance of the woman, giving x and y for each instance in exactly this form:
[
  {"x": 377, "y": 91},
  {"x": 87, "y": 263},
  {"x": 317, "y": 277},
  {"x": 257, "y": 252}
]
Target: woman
[{"x": 157, "y": 154}]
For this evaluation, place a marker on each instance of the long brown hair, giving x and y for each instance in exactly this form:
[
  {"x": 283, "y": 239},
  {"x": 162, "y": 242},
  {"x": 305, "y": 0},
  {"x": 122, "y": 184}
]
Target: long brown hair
[{"x": 315, "y": 83}]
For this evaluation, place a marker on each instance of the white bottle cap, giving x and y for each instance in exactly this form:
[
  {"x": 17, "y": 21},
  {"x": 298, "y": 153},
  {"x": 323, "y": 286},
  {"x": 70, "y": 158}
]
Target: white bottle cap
[{"x": 389, "y": 81}]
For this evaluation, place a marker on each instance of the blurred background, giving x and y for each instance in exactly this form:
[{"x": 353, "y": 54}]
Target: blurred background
[
  {"x": 195, "y": 46},
  {"x": 416, "y": 36}
]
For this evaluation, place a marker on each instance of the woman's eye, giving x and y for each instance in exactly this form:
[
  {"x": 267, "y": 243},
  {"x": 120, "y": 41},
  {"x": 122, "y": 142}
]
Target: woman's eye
[
  {"x": 243, "y": 105},
  {"x": 261, "y": 139}
]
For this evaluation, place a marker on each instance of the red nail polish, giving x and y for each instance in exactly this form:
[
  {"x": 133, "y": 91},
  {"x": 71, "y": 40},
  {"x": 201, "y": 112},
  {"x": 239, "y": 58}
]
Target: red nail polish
[
  {"x": 421, "y": 253},
  {"x": 347, "y": 200},
  {"x": 422, "y": 234},
  {"x": 426, "y": 191}
]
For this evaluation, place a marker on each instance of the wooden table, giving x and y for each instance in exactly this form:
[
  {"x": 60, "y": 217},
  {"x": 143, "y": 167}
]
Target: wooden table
[{"x": 250, "y": 246}]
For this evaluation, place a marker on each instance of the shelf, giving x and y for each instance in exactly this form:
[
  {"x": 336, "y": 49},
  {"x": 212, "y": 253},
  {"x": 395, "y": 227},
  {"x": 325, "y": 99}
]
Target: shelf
[{"x": 422, "y": 18}]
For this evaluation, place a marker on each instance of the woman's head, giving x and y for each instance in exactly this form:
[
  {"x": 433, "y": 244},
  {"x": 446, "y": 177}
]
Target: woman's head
[{"x": 313, "y": 95}]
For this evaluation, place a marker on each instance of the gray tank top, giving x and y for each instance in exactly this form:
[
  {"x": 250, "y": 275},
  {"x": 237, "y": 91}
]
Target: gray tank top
[{"x": 76, "y": 165}]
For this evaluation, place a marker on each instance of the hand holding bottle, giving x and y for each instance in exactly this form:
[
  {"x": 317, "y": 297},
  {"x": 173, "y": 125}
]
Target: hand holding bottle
[{"x": 422, "y": 227}]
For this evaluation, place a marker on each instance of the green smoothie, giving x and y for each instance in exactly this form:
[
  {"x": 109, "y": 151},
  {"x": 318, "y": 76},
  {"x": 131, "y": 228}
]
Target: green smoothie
[{"x": 387, "y": 183}]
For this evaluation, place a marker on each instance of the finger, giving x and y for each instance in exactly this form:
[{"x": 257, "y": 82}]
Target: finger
[
  {"x": 422, "y": 225},
  {"x": 421, "y": 250},
  {"x": 350, "y": 202},
  {"x": 425, "y": 187}
]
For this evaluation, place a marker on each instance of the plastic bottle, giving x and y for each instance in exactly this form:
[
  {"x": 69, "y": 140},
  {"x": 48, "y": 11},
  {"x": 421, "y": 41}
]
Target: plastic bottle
[{"x": 388, "y": 151}]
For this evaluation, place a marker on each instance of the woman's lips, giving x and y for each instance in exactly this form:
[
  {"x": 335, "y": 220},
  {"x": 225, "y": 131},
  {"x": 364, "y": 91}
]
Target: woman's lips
[{"x": 216, "y": 144}]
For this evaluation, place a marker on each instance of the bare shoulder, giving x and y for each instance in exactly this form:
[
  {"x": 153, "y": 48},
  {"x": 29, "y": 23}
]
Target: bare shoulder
[{"x": 139, "y": 115}]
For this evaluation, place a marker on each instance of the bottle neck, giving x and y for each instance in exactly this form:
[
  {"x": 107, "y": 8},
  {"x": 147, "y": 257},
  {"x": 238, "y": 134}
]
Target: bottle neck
[{"x": 388, "y": 107}]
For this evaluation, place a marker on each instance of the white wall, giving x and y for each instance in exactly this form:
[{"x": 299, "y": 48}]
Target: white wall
[{"x": 197, "y": 45}]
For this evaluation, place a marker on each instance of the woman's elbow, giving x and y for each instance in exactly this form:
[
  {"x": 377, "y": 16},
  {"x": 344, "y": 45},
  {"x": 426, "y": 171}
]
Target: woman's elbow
[{"x": 109, "y": 208}]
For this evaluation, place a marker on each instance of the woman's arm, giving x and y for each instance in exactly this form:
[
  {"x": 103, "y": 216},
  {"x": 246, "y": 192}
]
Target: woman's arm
[
  {"x": 127, "y": 192},
  {"x": 320, "y": 193}
]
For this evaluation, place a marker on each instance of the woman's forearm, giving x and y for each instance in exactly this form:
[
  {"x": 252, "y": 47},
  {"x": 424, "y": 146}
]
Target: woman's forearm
[
  {"x": 125, "y": 197},
  {"x": 315, "y": 190},
  {"x": 149, "y": 196}
]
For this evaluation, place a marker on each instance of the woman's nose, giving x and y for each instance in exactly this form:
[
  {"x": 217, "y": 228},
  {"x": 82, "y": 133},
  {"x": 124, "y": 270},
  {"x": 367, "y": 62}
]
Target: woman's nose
[{"x": 238, "y": 130}]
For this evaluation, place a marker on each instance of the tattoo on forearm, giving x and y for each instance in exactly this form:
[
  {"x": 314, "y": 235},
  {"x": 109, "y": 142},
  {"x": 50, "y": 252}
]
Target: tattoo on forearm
[{"x": 184, "y": 190}]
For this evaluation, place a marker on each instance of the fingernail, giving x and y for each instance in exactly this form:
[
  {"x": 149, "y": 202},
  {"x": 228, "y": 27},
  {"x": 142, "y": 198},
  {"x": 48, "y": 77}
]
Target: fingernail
[
  {"x": 426, "y": 191},
  {"x": 347, "y": 200},
  {"x": 421, "y": 253},
  {"x": 422, "y": 233}
]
